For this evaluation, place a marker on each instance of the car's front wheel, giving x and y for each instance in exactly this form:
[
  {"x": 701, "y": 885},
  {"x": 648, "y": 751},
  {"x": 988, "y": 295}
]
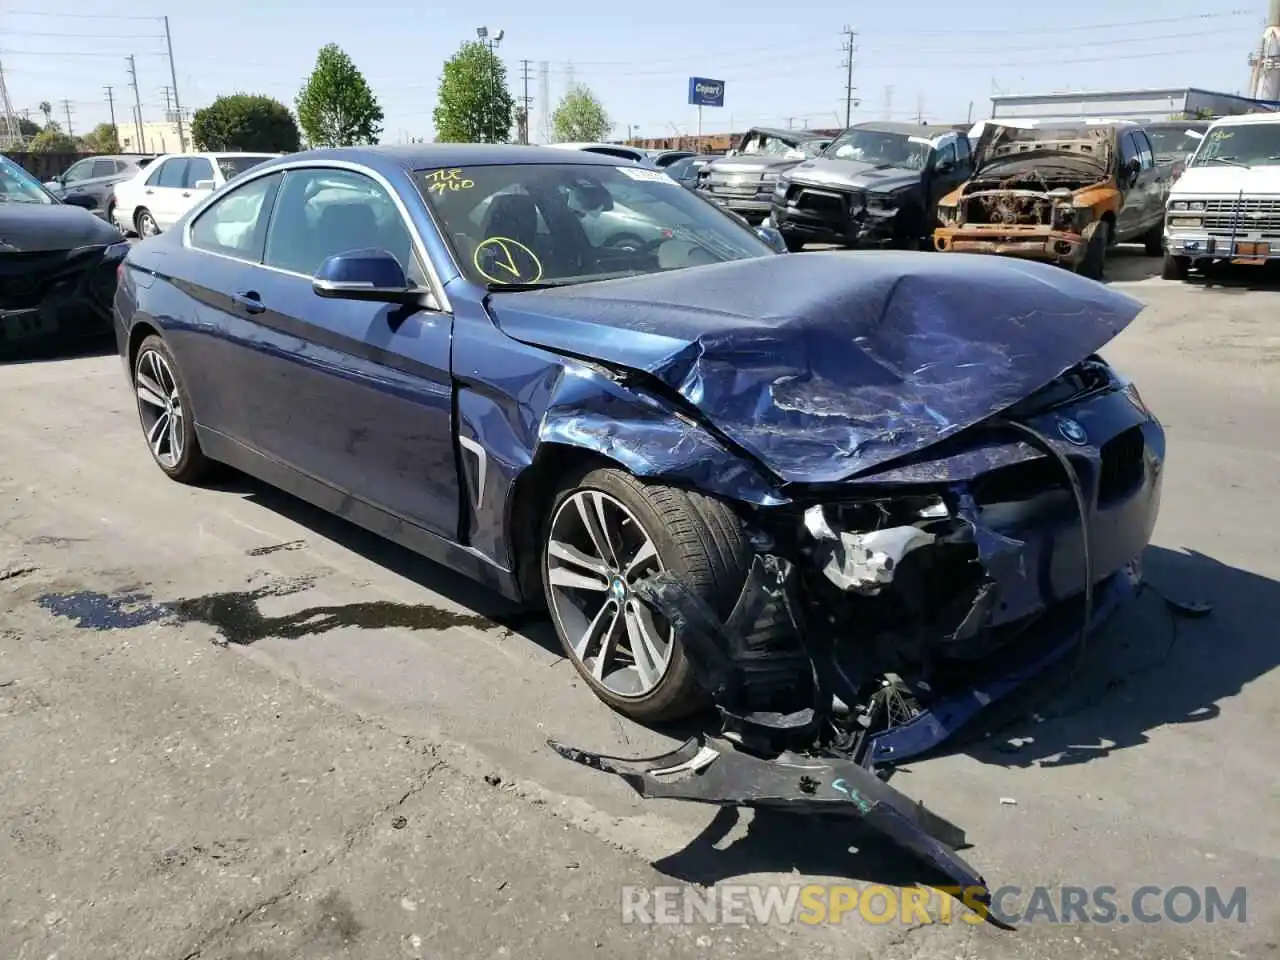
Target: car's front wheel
[
  {"x": 606, "y": 530},
  {"x": 164, "y": 411},
  {"x": 1175, "y": 267}
]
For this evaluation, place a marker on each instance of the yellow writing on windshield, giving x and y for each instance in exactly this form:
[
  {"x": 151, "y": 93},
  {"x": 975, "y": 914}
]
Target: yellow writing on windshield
[
  {"x": 504, "y": 261},
  {"x": 438, "y": 181}
]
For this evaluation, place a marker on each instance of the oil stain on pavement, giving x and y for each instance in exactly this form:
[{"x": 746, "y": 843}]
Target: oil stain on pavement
[{"x": 237, "y": 617}]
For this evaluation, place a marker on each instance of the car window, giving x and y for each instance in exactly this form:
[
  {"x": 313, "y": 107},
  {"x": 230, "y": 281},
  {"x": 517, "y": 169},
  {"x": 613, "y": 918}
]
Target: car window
[
  {"x": 173, "y": 173},
  {"x": 103, "y": 168},
  {"x": 568, "y": 223},
  {"x": 681, "y": 169},
  {"x": 947, "y": 153},
  {"x": 322, "y": 212},
  {"x": 881, "y": 147},
  {"x": 18, "y": 186},
  {"x": 153, "y": 179},
  {"x": 198, "y": 168},
  {"x": 1146, "y": 155},
  {"x": 1128, "y": 149},
  {"x": 81, "y": 170},
  {"x": 962, "y": 148},
  {"x": 235, "y": 164},
  {"x": 235, "y": 225}
]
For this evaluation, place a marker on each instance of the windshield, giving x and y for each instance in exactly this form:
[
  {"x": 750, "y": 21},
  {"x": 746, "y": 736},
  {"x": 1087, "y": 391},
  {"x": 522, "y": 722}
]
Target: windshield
[
  {"x": 514, "y": 225},
  {"x": 18, "y": 186},
  {"x": 1171, "y": 142},
  {"x": 1245, "y": 144},
  {"x": 881, "y": 148},
  {"x": 237, "y": 164},
  {"x": 765, "y": 145}
]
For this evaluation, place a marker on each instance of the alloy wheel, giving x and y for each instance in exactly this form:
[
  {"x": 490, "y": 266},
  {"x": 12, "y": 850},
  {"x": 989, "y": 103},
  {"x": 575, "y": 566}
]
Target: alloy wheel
[
  {"x": 597, "y": 550},
  {"x": 160, "y": 408},
  {"x": 147, "y": 225}
]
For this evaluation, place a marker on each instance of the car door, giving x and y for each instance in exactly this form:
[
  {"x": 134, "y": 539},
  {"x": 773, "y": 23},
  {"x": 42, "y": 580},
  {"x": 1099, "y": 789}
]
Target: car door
[
  {"x": 357, "y": 395},
  {"x": 163, "y": 191},
  {"x": 1156, "y": 179},
  {"x": 947, "y": 174},
  {"x": 223, "y": 252},
  {"x": 196, "y": 170},
  {"x": 1135, "y": 185}
]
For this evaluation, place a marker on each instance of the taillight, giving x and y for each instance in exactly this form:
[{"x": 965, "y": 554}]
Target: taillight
[{"x": 120, "y": 271}]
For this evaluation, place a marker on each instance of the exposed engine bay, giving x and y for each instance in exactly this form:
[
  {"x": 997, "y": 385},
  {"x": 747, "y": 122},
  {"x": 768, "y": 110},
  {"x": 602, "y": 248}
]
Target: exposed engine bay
[{"x": 1027, "y": 198}]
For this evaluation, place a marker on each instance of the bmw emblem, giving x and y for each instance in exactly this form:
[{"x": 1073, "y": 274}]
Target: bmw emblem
[{"x": 1072, "y": 432}]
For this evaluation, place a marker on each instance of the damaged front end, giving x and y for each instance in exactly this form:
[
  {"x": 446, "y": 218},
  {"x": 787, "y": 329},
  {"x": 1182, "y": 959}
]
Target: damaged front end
[
  {"x": 1037, "y": 194},
  {"x": 882, "y": 615}
]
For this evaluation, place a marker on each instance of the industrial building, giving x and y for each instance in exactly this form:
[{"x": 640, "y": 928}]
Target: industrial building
[{"x": 1140, "y": 106}]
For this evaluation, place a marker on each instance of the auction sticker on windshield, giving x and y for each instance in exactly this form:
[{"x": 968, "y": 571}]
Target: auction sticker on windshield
[{"x": 648, "y": 176}]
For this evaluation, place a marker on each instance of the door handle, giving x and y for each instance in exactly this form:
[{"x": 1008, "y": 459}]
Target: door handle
[
  {"x": 150, "y": 192},
  {"x": 186, "y": 193},
  {"x": 249, "y": 301}
]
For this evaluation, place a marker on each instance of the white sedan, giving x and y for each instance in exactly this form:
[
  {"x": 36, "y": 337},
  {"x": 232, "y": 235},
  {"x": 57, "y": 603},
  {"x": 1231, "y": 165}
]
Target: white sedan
[{"x": 164, "y": 190}]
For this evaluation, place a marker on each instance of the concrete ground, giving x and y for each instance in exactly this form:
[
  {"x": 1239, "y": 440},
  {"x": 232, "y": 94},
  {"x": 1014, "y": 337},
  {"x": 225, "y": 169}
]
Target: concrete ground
[{"x": 363, "y": 773}]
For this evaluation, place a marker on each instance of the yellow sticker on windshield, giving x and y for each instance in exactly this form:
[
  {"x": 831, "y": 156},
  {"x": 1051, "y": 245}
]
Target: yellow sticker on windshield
[
  {"x": 503, "y": 260},
  {"x": 438, "y": 181}
]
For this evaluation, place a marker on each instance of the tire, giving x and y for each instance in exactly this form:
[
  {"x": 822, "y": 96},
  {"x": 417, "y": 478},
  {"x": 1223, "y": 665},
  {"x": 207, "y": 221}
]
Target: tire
[
  {"x": 145, "y": 223},
  {"x": 696, "y": 537},
  {"x": 160, "y": 394},
  {"x": 1154, "y": 241},
  {"x": 794, "y": 244},
  {"x": 1175, "y": 268},
  {"x": 1097, "y": 238}
]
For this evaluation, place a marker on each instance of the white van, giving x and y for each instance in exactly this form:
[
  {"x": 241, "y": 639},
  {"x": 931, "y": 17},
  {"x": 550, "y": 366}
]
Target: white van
[{"x": 1226, "y": 204}]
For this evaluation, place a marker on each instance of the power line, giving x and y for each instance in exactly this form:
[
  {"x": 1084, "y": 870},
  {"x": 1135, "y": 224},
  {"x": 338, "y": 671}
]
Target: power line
[
  {"x": 86, "y": 36},
  {"x": 75, "y": 16},
  {"x": 66, "y": 106}
]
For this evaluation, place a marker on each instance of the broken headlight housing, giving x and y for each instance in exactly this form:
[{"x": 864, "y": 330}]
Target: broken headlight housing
[
  {"x": 948, "y": 214},
  {"x": 886, "y": 201},
  {"x": 1064, "y": 217},
  {"x": 780, "y": 188}
]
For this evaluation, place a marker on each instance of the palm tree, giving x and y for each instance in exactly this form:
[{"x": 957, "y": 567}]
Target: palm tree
[{"x": 47, "y": 109}]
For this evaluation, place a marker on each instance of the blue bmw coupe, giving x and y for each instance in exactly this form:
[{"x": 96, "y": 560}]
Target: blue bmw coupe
[{"x": 728, "y": 472}]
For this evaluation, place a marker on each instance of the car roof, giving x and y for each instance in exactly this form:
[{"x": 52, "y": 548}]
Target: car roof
[
  {"x": 1242, "y": 119},
  {"x": 903, "y": 127},
  {"x": 407, "y": 158}
]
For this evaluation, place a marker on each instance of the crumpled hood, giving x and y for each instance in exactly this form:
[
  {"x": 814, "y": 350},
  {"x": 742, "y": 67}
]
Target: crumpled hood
[
  {"x": 825, "y": 365},
  {"x": 880, "y": 178},
  {"x": 759, "y": 165},
  {"x": 39, "y": 228},
  {"x": 996, "y": 135}
]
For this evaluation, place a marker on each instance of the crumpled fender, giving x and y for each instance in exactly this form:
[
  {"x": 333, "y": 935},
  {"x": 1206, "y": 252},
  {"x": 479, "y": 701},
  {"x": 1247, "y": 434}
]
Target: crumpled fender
[{"x": 591, "y": 409}]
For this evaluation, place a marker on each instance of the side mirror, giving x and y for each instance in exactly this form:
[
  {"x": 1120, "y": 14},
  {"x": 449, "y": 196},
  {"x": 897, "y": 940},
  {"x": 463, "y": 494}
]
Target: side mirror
[
  {"x": 373, "y": 276},
  {"x": 204, "y": 185},
  {"x": 773, "y": 238},
  {"x": 53, "y": 184}
]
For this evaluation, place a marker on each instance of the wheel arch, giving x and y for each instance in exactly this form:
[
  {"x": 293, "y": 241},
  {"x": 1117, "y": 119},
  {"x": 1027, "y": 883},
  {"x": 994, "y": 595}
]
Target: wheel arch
[{"x": 137, "y": 333}]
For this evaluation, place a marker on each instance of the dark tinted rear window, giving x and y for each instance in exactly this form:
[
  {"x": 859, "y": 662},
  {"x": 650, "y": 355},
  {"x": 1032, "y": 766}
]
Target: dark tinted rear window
[{"x": 233, "y": 166}]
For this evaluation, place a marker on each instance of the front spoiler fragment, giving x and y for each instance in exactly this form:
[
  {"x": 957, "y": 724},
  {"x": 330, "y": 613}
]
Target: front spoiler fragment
[{"x": 701, "y": 771}]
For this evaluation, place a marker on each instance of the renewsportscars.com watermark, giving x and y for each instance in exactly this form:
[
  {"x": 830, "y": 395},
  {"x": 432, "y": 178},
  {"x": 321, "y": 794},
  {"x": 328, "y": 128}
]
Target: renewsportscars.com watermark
[{"x": 877, "y": 904}]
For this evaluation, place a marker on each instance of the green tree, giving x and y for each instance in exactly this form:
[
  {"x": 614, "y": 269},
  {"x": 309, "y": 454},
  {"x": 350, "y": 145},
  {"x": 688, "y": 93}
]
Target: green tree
[
  {"x": 101, "y": 139},
  {"x": 580, "y": 117},
  {"x": 336, "y": 107},
  {"x": 47, "y": 109},
  {"x": 53, "y": 140},
  {"x": 474, "y": 104},
  {"x": 27, "y": 128},
  {"x": 246, "y": 121}
]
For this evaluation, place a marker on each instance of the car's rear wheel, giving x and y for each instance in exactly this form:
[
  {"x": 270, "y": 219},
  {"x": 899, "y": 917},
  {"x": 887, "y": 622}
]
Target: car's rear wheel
[
  {"x": 145, "y": 223},
  {"x": 1154, "y": 240},
  {"x": 605, "y": 531},
  {"x": 164, "y": 411}
]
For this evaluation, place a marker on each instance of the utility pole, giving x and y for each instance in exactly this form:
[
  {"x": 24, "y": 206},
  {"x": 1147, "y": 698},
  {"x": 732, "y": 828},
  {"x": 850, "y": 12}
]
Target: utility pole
[
  {"x": 111, "y": 105},
  {"x": 920, "y": 107},
  {"x": 526, "y": 100},
  {"x": 789, "y": 120},
  {"x": 164, "y": 92},
  {"x": 173, "y": 78},
  {"x": 10, "y": 129},
  {"x": 888, "y": 102},
  {"x": 850, "y": 50},
  {"x": 137, "y": 104},
  {"x": 66, "y": 108}
]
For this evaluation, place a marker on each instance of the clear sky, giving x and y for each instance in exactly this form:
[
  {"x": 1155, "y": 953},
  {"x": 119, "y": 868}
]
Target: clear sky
[{"x": 780, "y": 60}]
